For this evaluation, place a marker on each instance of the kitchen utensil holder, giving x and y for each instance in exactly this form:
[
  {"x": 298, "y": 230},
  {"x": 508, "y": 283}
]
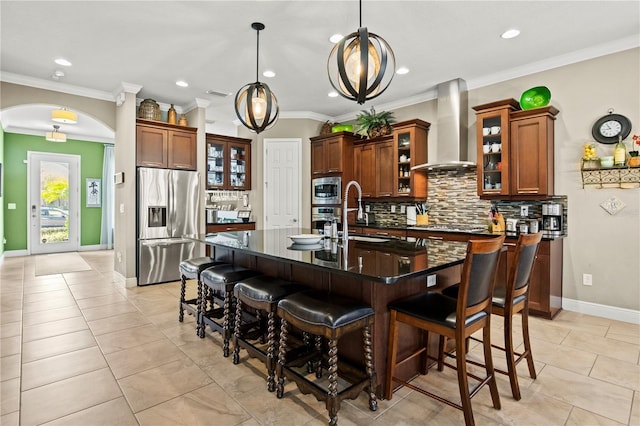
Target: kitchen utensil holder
[{"x": 422, "y": 219}]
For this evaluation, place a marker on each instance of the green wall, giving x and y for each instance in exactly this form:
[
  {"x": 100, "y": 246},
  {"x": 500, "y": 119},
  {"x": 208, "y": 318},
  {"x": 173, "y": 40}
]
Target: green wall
[
  {"x": 15, "y": 185},
  {"x": 3, "y": 185}
]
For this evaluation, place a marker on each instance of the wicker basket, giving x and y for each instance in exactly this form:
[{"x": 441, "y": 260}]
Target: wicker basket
[{"x": 149, "y": 110}]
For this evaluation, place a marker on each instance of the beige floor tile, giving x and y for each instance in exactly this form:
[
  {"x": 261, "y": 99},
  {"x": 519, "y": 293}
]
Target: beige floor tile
[
  {"x": 562, "y": 356},
  {"x": 10, "y": 367},
  {"x": 84, "y": 277},
  {"x": 108, "y": 299},
  {"x": 626, "y": 328},
  {"x": 45, "y": 305},
  {"x": 11, "y": 301},
  {"x": 11, "y": 316},
  {"x": 106, "y": 311},
  {"x": 198, "y": 407},
  {"x": 56, "y": 345},
  {"x": 603, "y": 346},
  {"x": 139, "y": 358},
  {"x": 617, "y": 372},
  {"x": 11, "y": 329},
  {"x": 580, "y": 417},
  {"x": 41, "y": 317},
  {"x": 59, "y": 367},
  {"x": 162, "y": 383},
  {"x": 47, "y": 295},
  {"x": 10, "y": 346},
  {"x": 182, "y": 333},
  {"x": 611, "y": 401},
  {"x": 166, "y": 319},
  {"x": 53, "y": 328},
  {"x": 548, "y": 331},
  {"x": 129, "y": 338},
  {"x": 55, "y": 400},
  {"x": 45, "y": 287},
  {"x": 581, "y": 322},
  {"x": 116, "y": 323},
  {"x": 9, "y": 396},
  {"x": 11, "y": 419},
  {"x": 114, "y": 412},
  {"x": 635, "y": 409},
  {"x": 85, "y": 291}
]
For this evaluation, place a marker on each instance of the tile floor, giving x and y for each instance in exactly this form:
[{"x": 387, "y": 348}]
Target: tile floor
[{"x": 79, "y": 349}]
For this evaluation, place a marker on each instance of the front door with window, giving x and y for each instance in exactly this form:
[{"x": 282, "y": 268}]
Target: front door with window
[{"x": 54, "y": 194}]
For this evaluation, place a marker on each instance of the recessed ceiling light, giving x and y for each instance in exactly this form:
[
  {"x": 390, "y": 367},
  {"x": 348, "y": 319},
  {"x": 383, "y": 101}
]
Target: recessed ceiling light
[
  {"x": 182, "y": 83},
  {"x": 510, "y": 33},
  {"x": 335, "y": 38},
  {"x": 269, "y": 73},
  {"x": 333, "y": 94},
  {"x": 63, "y": 62},
  {"x": 402, "y": 70}
]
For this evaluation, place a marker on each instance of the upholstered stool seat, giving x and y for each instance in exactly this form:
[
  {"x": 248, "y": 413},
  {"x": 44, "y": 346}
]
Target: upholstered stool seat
[
  {"x": 262, "y": 293},
  {"x": 219, "y": 282},
  {"x": 191, "y": 269},
  {"x": 330, "y": 316}
]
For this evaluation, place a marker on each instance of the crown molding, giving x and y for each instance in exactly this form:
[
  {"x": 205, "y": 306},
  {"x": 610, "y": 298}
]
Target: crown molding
[
  {"x": 70, "y": 136},
  {"x": 55, "y": 86}
]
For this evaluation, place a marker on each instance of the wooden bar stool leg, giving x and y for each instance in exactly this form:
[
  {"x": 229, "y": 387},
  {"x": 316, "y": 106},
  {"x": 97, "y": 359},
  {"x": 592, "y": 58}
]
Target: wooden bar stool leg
[
  {"x": 236, "y": 332},
  {"x": 368, "y": 362},
  {"x": 442, "y": 341},
  {"x": 465, "y": 398},
  {"x": 488, "y": 362},
  {"x": 511, "y": 362},
  {"x": 183, "y": 292},
  {"x": 202, "y": 306},
  {"x": 332, "y": 401},
  {"x": 226, "y": 325},
  {"x": 318, "y": 349},
  {"x": 271, "y": 351},
  {"x": 527, "y": 342},
  {"x": 282, "y": 358}
]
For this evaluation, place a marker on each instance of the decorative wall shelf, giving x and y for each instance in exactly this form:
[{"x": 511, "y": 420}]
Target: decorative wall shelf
[{"x": 609, "y": 177}]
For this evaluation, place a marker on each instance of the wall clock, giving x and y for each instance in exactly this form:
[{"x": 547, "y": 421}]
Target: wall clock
[{"x": 610, "y": 128}]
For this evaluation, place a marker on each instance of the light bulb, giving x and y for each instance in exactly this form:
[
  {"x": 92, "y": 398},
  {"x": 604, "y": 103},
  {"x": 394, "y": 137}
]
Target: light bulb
[
  {"x": 352, "y": 64},
  {"x": 259, "y": 106}
]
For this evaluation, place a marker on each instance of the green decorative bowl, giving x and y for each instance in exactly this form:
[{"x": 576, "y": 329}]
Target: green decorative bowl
[
  {"x": 535, "y": 97},
  {"x": 342, "y": 128}
]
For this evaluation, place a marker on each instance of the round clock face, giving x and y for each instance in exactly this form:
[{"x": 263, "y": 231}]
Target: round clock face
[{"x": 610, "y": 128}]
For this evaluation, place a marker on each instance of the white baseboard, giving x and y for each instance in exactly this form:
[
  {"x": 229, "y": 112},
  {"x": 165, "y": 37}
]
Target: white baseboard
[
  {"x": 93, "y": 248},
  {"x": 15, "y": 253},
  {"x": 605, "y": 311}
]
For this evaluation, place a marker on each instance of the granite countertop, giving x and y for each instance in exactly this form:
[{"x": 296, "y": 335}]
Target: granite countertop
[{"x": 403, "y": 258}]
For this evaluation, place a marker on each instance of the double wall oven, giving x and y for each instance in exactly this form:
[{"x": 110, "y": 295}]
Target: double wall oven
[{"x": 326, "y": 201}]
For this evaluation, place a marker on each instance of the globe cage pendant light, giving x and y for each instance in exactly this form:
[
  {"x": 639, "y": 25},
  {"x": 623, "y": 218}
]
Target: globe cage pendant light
[
  {"x": 256, "y": 106},
  {"x": 63, "y": 115},
  {"x": 55, "y": 136},
  {"x": 361, "y": 65}
]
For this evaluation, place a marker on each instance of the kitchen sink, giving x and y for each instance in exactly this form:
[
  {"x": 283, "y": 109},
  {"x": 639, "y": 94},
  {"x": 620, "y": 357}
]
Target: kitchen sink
[{"x": 368, "y": 239}]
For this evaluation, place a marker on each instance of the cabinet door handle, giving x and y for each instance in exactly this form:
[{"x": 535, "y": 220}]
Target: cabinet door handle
[
  {"x": 435, "y": 238},
  {"x": 509, "y": 244},
  {"x": 382, "y": 233},
  {"x": 230, "y": 228}
]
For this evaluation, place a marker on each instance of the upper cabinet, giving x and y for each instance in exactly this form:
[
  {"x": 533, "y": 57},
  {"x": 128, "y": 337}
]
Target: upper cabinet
[
  {"x": 165, "y": 145},
  {"x": 228, "y": 162},
  {"x": 330, "y": 153},
  {"x": 410, "y": 146},
  {"x": 515, "y": 150}
]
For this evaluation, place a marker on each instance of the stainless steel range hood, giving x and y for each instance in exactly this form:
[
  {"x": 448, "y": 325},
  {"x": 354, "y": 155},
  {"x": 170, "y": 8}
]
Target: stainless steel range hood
[{"x": 452, "y": 140}]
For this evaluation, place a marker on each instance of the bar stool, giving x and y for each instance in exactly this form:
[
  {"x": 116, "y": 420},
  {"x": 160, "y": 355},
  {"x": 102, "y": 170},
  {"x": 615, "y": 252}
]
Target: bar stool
[
  {"x": 508, "y": 301},
  {"x": 262, "y": 293},
  {"x": 219, "y": 281},
  {"x": 191, "y": 269},
  {"x": 330, "y": 316},
  {"x": 456, "y": 318}
]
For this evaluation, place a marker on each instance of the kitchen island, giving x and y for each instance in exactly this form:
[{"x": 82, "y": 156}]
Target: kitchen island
[{"x": 371, "y": 270}]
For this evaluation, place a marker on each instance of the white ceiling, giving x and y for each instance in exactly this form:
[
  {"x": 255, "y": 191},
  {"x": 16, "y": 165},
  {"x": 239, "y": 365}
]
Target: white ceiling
[{"x": 211, "y": 45}]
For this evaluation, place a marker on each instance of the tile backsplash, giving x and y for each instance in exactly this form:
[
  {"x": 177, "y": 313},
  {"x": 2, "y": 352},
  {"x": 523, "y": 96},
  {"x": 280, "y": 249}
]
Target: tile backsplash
[{"x": 453, "y": 199}]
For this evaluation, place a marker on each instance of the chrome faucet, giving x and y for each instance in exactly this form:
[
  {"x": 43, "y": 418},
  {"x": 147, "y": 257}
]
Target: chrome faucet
[{"x": 345, "y": 225}]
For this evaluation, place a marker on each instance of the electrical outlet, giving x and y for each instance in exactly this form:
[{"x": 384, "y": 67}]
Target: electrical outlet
[
  {"x": 587, "y": 279},
  {"x": 403, "y": 209},
  {"x": 431, "y": 280},
  {"x": 524, "y": 211},
  {"x": 393, "y": 209},
  {"x": 367, "y": 208}
]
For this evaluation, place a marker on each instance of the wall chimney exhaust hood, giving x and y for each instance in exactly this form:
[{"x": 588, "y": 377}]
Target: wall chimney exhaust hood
[{"x": 452, "y": 141}]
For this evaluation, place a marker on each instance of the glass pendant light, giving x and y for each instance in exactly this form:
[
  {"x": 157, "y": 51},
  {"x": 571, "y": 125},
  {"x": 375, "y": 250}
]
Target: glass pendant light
[
  {"x": 56, "y": 136},
  {"x": 256, "y": 106}
]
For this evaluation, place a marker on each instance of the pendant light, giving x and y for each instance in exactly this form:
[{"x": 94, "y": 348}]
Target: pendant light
[
  {"x": 256, "y": 106},
  {"x": 65, "y": 116},
  {"x": 361, "y": 65},
  {"x": 56, "y": 136}
]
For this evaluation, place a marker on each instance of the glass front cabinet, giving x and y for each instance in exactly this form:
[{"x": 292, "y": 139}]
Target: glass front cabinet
[
  {"x": 228, "y": 163},
  {"x": 410, "y": 144},
  {"x": 492, "y": 129}
]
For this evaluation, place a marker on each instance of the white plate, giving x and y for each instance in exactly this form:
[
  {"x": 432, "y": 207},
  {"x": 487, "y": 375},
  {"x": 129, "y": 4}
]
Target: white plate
[
  {"x": 312, "y": 247},
  {"x": 306, "y": 238}
]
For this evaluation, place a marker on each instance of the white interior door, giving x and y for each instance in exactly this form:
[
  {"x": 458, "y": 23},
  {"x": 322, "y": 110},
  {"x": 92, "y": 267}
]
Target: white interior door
[
  {"x": 54, "y": 198},
  {"x": 282, "y": 171}
]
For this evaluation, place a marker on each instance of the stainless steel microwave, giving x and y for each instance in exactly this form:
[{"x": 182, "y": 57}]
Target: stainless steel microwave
[{"x": 327, "y": 190}]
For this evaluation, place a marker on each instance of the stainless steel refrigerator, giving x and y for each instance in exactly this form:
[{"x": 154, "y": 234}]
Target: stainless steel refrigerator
[{"x": 168, "y": 205}]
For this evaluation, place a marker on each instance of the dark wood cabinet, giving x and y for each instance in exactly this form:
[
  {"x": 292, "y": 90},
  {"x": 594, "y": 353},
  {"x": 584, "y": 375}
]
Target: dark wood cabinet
[
  {"x": 410, "y": 143},
  {"x": 330, "y": 153},
  {"x": 515, "y": 150},
  {"x": 228, "y": 163},
  {"x": 165, "y": 145},
  {"x": 364, "y": 168},
  {"x": 532, "y": 151},
  {"x": 384, "y": 175}
]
